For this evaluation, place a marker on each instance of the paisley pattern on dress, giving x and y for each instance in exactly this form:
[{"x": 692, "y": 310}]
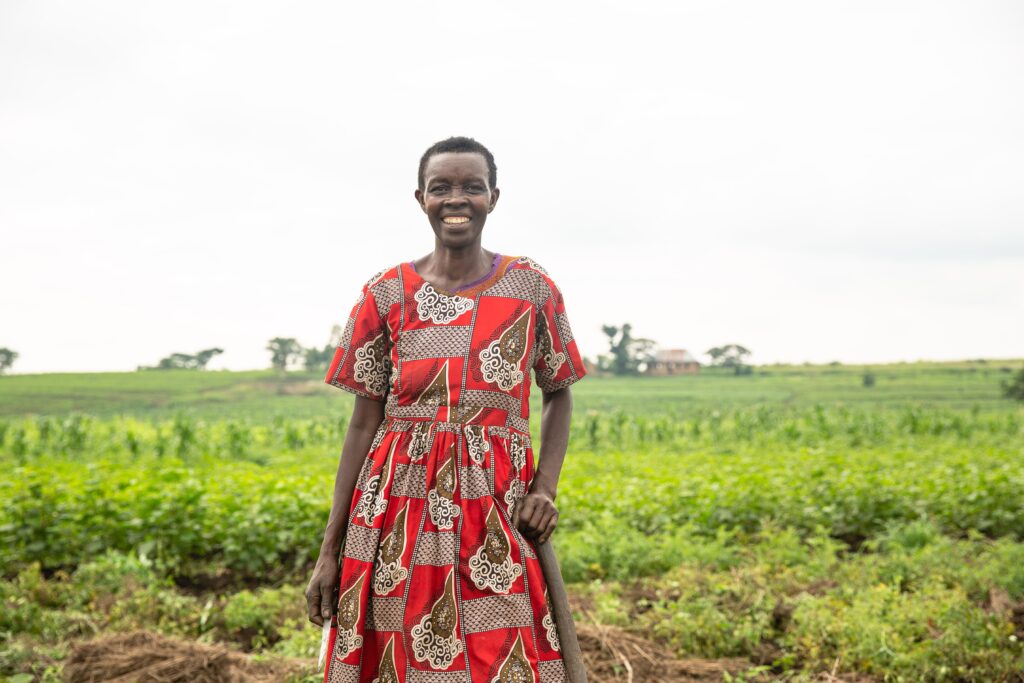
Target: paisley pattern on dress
[
  {"x": 517, "y": 451},
  {"x": 516, "y": 667},
  {"x": 389, "y": 571},
  {"x": 440, "y": 499},
  {"x": 516, "y": 490},
  {"x": 419, "y": 437},
  {"x": 548, "y": 622},
  {"x": 546, "y": 349},
  {"x": 437, "y": 392},
  {"x": 373, "y": 365},
  {"x": 373, "y": 502},
  {"x": 492, "y": 565},
  {"x": 349, "y": 609},
  {"x": 387, "y": 670},
  {"x": 435, "y": 639},
  {"x": 500, "y": 361},
  {"x": 439, "y": 308},
  {"x": 476, "y": 443},
  {"x": 464, "y": 413}
]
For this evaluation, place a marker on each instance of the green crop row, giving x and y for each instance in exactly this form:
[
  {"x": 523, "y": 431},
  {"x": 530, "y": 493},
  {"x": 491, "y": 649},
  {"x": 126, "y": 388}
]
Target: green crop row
[
  {"x": 622, "y": 510},
  {"x": 189, "y": 438}
]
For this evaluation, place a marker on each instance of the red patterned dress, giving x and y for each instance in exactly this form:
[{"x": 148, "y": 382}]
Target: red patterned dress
[{"x": 436, "y": 585}]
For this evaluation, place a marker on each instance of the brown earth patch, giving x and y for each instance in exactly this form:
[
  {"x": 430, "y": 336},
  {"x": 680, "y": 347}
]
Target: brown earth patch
[
  {"x": 999, "y": 602},
  {"x": 612, "y": 654},
  {"x": 144, "y": 657}
]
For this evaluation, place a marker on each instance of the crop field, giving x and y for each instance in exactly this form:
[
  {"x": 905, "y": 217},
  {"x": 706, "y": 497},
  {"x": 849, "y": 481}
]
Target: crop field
[{"x": 793, "y": 524}]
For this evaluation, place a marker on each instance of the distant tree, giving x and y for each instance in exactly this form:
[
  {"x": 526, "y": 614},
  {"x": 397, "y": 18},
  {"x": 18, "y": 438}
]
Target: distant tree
[
  {"x": 730, "y": 356},
  {"x": 627, "y": 355},
  {"x": 868, "y": 379},
  {"x": 204, "y": 356},
  {"x": 1014, "y": 389},
  {"x": 317, "y": 360},
  {"x": 7, "y": 358},
  {"x": 185, "y": 361},
  {"x": 177, "y": 361},
  {"x": 284, "y": 351}
]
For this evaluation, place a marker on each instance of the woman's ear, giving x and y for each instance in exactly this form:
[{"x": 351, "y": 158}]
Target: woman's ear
[
  {"x": 494, "y": 199},
  {"x": 419, "y": 199}
]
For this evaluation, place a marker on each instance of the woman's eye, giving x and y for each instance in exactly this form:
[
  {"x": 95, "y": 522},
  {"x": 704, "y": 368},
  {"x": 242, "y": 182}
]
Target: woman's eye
[
  {"x": 475, "y": 189},
  {"x": 440, "y": 189}
]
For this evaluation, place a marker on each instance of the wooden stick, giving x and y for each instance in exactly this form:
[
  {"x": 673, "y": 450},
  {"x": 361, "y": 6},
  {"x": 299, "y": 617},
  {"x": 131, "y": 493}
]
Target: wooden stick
[{"x": 572, "y": 656}]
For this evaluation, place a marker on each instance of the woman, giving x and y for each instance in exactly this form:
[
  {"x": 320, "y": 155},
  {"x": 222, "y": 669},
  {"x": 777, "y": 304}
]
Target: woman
[{"x": 437, "y": 497}]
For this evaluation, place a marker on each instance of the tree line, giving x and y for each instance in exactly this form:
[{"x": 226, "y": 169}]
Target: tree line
[
  {"x": 285, "y": 353},
  {"x": 629, "y": 355}
]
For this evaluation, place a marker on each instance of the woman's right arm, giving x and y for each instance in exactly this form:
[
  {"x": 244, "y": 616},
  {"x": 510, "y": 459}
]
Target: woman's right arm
[{"x": 367, "y": 414}]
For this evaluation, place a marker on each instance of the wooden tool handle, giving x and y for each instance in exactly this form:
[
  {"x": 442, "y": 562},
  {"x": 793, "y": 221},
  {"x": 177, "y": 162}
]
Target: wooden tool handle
[{"x": 572, "y": 656}]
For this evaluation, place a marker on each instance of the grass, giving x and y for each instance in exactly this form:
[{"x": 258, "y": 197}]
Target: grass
[{"x": 262, "y": 394}]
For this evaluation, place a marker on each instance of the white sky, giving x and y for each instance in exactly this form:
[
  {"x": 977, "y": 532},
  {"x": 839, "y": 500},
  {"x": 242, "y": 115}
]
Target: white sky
[{"x": 813, "y": 180}]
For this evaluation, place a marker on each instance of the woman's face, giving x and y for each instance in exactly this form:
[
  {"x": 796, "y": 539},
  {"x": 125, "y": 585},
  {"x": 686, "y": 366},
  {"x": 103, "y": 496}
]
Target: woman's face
[{"x": 456, "y": 197}]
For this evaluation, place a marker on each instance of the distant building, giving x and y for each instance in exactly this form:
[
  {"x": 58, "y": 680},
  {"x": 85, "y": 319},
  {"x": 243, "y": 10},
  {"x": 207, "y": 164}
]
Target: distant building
[{"x": 673, "y": 362}]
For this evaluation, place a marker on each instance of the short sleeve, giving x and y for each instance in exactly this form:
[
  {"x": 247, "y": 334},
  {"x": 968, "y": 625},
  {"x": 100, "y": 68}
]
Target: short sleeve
[
  {"x": 557, "y": 363},
  {"x": 362, "y": 361}
]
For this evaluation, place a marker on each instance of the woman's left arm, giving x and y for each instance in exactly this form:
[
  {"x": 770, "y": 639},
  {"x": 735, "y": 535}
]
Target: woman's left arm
[{"x": 535, "y": 514}]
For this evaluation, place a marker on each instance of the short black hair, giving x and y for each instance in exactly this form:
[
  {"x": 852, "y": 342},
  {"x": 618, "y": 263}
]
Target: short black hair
[{"x": 460, "y": 144}]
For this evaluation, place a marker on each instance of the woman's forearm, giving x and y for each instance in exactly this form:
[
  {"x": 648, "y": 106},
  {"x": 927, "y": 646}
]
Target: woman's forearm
[
  {"x": 367, "y": 415},
  {"x": 556, "y": 416}
]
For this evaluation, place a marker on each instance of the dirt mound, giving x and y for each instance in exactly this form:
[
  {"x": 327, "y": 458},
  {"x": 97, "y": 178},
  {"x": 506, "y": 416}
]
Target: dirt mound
[
  {"x": 143, "y": 657},
  {"x": 612, "y": 654}
]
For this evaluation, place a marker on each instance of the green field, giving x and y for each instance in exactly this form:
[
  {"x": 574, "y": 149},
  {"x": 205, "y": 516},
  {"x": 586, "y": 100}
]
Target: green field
[{"x": 793, "y": 518}]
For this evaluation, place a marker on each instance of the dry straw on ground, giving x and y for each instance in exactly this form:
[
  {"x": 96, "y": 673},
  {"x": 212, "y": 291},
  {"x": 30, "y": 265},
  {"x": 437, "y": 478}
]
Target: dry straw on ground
[
  {"x": 143, "y": 657},
  {"x": 612, "y": 654}
]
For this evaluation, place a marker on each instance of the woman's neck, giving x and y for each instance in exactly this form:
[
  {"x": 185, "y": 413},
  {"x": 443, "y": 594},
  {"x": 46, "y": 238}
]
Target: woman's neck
[{"x": 450, "y": 268}]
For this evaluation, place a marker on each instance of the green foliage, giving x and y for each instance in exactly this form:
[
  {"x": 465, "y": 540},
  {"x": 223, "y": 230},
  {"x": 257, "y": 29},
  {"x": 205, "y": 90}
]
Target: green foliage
[
  {"x": 1014, "y": 389},
  {"x": 258, "y": 395},
  {"x": 7, "y": 358},
  {"x": 792, "y": 518},
  {"x": 184, "y": 361},
  {"x": 731, "y": 356},
  {"x": 317, "y": 360},
  {"x": 254, "y": 618},
  {"x": 119, "y": 592},
  {"x": 916, "y": 607},
  {"x": 190, "y": 520},
  {"x": 284, "y": 352},
  {"x": 627, "y": 355}
]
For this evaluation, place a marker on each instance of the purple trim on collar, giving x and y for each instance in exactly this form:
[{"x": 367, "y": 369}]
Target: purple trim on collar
[{"x": 494, "y": 267}]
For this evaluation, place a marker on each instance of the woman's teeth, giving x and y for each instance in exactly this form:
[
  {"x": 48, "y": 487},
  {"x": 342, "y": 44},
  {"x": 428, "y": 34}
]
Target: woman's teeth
[{"x": 455, "y": 220}]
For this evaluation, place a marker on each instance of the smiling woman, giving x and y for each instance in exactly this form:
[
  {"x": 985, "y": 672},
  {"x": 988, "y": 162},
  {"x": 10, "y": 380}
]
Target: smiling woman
[{"x": 439, "y": 507}]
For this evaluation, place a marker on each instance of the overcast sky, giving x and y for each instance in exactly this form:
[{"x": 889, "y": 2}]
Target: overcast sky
[{"x": 815, "y": 180}]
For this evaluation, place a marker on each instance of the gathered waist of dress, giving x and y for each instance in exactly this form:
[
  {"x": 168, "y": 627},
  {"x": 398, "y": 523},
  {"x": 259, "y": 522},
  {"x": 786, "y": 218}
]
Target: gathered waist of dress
[
  {"x": 484, "y": 415},
  {"x": 404, "y": 424}
]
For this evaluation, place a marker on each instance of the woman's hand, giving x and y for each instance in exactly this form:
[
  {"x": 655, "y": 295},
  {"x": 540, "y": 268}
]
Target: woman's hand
[
  {"x": 535, "y": 514},
  {"x": 320, "y": 591}
]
